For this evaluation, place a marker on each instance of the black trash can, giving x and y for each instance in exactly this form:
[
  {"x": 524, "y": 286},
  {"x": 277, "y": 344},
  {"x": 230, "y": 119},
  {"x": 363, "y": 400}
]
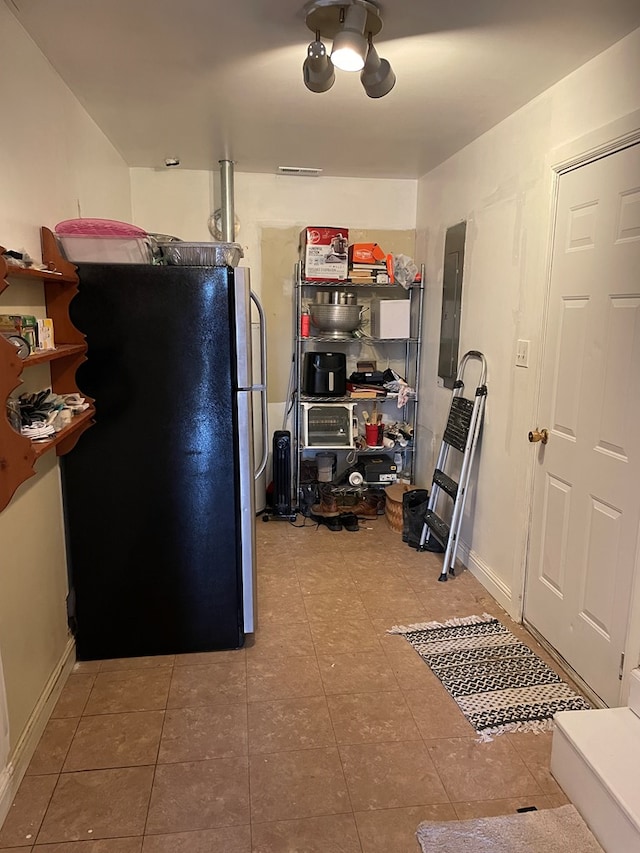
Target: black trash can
[{"x": 414, "y": 507}]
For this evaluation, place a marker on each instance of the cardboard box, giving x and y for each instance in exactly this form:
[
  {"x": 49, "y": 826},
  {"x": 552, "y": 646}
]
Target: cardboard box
[
  {"x": 45, "y": 334},
  {"x": 323, "y": 252},
  {"x": 390, "y": 318}
]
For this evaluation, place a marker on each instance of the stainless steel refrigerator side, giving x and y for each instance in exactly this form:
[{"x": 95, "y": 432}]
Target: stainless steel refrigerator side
[
  {"x": 244, "y": 403},
  {"x": 247, "y": 507}
]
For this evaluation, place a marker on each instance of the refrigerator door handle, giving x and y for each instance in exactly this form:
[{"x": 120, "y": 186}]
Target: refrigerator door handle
[
  {"x": 247, "y": 509},
  {"x": 241, "y": 293},
  {"x": 262, "y": 387}
]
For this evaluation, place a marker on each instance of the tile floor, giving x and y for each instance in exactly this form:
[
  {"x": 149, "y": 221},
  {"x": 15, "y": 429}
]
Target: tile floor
[{"x": 326, "y": 735}]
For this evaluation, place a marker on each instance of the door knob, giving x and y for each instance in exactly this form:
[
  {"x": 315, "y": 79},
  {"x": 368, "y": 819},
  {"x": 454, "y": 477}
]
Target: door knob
[{"x": 539, "y": 435}]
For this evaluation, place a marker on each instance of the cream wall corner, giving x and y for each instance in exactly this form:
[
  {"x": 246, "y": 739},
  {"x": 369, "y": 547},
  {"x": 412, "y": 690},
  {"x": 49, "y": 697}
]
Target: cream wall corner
[{"x": 501, "y": 184}]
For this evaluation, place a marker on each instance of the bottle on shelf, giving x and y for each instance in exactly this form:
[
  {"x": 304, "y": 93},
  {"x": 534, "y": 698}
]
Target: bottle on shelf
[
  {"x": 305, "y": 324},
  {"x": 398, "y": 461}
]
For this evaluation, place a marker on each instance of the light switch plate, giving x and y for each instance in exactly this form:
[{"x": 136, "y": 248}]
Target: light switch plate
[{"x": 522, "y": 354}]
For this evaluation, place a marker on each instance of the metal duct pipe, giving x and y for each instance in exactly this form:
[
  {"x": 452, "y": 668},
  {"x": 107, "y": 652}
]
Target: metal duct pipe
[{"x": 226, "y": 207}]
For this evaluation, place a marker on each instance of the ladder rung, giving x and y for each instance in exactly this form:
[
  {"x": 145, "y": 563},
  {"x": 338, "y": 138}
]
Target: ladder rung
[
  {"x": 437, "y": 526},
  {"x": 446, "y": 483},
  {"x": 458, "y": 423}
]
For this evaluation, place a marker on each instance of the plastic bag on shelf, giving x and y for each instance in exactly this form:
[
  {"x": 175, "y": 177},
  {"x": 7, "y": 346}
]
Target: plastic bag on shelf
[
  {"x": 395, "y": 384},
  {"x": 404, "y": 270}
]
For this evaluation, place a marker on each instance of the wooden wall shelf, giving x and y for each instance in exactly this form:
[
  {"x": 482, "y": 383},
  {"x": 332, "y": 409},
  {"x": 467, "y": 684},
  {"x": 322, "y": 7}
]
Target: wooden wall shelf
[
  {"x": 18, "y": 454},
  {"x": 61, "y": 351}
]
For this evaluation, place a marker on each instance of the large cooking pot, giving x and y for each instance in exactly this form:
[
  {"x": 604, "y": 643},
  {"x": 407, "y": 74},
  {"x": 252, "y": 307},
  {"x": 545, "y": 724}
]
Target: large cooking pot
[
  {"x": 336, "y": 321},
  {"x": 340, "y": 297}
]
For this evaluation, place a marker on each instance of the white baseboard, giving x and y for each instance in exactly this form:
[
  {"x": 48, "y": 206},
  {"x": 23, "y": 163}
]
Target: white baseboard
[
  {"x": 487, "y": 577},
  {"x": 13, "y": 773}
]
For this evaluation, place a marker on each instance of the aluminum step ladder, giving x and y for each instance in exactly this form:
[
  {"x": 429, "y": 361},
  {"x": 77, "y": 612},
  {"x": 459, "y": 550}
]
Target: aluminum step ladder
[{"x": 461, "y": 433}]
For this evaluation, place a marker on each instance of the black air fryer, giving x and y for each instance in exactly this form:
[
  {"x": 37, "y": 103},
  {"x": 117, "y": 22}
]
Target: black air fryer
[{"x": 325, "y": 374}]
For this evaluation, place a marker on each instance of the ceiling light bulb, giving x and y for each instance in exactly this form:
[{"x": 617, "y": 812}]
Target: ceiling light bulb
[
  {"x": 377, "y": 75},
  {"x": 349, "y": 44},
  {"x": 317, "y": 70}
]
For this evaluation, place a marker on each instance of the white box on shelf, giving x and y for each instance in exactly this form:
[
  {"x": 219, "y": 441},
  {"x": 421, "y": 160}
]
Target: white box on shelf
[
  {"x": 391, "y": 318},
  {"x": 45, "y": 334}
]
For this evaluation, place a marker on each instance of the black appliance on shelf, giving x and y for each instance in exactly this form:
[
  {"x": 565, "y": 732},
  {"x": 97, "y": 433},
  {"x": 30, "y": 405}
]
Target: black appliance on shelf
[
  {"x": 325, "y": 374},
  {"x": 159, "y": 494}
]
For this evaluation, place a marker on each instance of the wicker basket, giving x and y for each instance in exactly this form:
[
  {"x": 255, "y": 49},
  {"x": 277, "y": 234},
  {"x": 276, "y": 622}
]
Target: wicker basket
[{"x": 393, "y": 505}]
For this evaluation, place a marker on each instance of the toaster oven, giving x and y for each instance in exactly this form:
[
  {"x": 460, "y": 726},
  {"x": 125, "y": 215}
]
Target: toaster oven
[{"x": 328, "y": 425}]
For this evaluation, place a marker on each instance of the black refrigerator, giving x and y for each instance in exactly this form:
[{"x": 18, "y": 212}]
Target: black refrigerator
[{"x": 159, "y": 494}]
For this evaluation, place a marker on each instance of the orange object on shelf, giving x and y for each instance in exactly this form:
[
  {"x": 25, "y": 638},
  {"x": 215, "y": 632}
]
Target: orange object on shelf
[
  {"x": 389, "y": 261},
  {"x": 365, "y": 253}
]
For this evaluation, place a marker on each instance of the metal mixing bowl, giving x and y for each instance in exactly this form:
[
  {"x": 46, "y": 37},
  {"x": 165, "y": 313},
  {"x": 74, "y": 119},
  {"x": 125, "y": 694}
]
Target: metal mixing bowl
[{"x": 335, "y": 320}]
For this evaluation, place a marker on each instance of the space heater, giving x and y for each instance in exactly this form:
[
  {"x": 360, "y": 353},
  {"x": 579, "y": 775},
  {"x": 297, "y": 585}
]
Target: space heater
[{"x": 282, "y": 474}]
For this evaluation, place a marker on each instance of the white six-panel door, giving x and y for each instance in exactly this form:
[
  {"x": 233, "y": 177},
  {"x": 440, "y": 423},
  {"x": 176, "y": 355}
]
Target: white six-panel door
[{"x": 586, "y": 504}]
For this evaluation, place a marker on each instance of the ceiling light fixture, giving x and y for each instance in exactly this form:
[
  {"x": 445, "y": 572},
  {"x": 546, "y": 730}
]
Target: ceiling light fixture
[
  {"x": 351, "y": 24},
  {"x": 317, "y": 70},
  {"x": 350, "y": 44},
  {"x": 377, "y": 75}
]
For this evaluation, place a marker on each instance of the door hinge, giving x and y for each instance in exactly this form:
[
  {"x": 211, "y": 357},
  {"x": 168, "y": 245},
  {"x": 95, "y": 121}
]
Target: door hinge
[{"x": 621, "y": 667}]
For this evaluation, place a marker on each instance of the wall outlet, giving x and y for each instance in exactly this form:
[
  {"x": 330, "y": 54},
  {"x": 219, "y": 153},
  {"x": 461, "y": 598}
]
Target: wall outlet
[{"x": 522, "y": 353}]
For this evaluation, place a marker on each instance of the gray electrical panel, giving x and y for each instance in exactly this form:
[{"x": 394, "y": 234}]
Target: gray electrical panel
[{"x": 451, "y": 302}]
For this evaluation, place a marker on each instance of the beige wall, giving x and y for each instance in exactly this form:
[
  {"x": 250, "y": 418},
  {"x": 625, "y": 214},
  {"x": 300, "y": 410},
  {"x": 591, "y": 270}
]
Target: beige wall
[
  {"x": 179, "y": 202},
  {"x": 54, "y": 163},
  {"x": 501, "y": 184},
  {"x": 272, "y": 210}
]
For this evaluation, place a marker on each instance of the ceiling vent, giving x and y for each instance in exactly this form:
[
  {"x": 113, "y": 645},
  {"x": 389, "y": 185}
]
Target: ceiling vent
[{"x": 300, "y": 171}]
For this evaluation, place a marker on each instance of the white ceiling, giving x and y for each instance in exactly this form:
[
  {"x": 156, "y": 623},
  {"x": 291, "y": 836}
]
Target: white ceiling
[{"x": 206, "y": 80}]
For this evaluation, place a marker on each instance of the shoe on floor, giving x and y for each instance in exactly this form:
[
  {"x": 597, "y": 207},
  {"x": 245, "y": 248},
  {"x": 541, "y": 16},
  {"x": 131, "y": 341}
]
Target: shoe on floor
[
  {"x": 333, "y": 523},
  {"x": 328, "y": 506},
  {"x": 367, "y": 507},
  {"x": 349, "y": 521}
]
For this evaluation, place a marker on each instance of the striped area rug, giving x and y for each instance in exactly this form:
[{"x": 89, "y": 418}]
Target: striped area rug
[{"x": 499, "y": 684}]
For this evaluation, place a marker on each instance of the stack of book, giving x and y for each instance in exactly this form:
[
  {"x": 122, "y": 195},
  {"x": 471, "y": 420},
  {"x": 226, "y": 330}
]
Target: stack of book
[
  {"x": 359, "y": 391},
  {"x": 375, "y": 273},
  {"x": 368, "y": 264}
]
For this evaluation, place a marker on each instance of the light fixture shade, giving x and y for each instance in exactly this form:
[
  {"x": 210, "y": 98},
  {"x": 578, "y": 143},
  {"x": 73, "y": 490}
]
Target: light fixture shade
[
  {"x": 349, "y": 44},
  {"x": 377, "y": 75},
  {"x": 317, "y": 70}
]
